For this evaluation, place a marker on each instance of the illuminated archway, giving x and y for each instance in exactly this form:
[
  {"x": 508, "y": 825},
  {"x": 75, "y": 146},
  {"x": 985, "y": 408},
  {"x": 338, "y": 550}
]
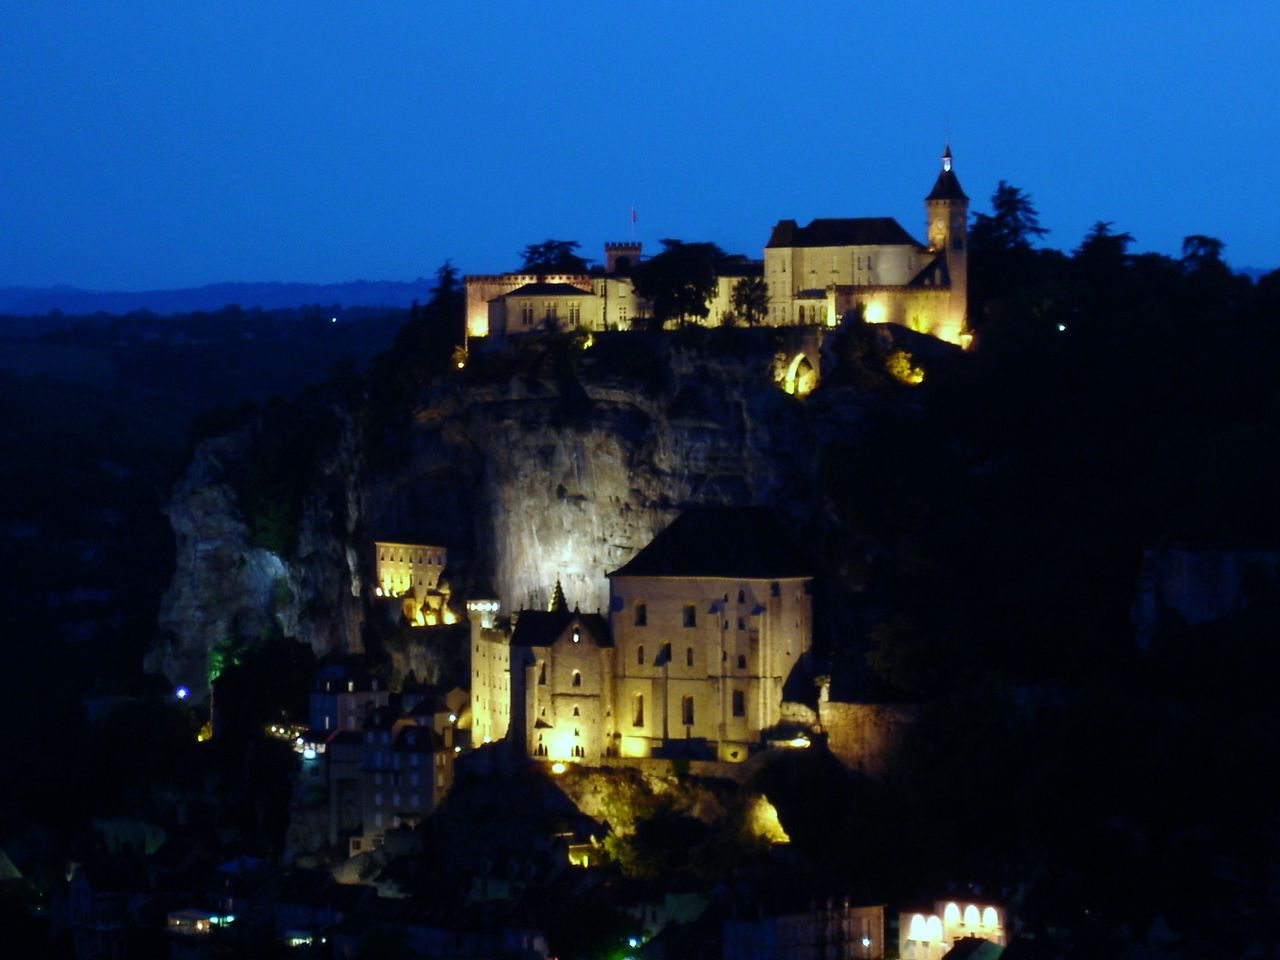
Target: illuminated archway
[{"x": 801, "y": 377}]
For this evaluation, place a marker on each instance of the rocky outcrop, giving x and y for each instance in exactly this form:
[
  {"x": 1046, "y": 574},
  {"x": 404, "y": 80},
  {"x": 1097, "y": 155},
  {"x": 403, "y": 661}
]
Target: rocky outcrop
[
  {"x": 227, "y": 592},
  {"x": 539, "y": 461}
]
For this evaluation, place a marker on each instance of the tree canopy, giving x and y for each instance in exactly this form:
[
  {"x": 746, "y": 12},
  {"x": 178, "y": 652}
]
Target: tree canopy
[
  {"x": 1014, "y": 222},
  {"x": 680, "y": 281},
  {"x": 553, "y": 256},
  {"x": 751, "y": 300}
]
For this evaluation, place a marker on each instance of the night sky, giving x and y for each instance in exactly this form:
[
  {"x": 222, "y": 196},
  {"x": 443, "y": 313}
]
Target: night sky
[{"x": 162, "y": 144}]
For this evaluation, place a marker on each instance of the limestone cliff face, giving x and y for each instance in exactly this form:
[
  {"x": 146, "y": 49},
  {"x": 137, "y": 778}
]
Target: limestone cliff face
[
  {"x": 529, "y": 466},
  {"x": 227, "y": 591}
]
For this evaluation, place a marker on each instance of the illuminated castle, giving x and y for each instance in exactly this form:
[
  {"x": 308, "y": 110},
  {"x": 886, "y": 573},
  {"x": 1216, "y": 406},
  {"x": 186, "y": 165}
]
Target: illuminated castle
[
  {"x": 815, "y": 275},
  {"x": 705, "y": 625}
]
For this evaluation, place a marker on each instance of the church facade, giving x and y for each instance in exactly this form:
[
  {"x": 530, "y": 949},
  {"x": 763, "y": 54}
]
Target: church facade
[
  {"x": 705, "y": 627},
  {"x": 815, "y": 274}
]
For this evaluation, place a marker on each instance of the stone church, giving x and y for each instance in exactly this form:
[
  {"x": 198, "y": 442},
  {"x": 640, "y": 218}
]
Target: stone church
[{"x": 705, "y": 626}]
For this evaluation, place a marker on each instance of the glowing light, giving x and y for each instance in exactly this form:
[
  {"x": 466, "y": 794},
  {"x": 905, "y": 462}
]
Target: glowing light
[
  {"x": 900, "y": 366},
  {"x": 951, "y": 914},
  {"x": 182, "y": 693},
  {"x": 990, "y": 918},
  {"x": 800, "y": 742},
  {"x": 587, "y": 344},
  {"x": 633, "y": 942},
  {"x": 1062, "y": 328},
  {"x": 333, "y": 319},
  {"x": 419, "y": 619},
  {"x": 486, "y": 739},
  {"x": 971, "y": 916},
  {"x": 377, "y": 591},
  {"x": 457, "y": 749},
  {"x": 866, "y": 941},
  {"x": 449, "y": 616},
  {"x": 558, "y": 768},
  {"x": 308, "y": 752},
  {"x": 933, "y": 930},
  {"x": 876, "y": 313},
  {"x": 461, "y": 364},
  {"x": 453, "y": 718},
  {"x": 917, "y": 930}
]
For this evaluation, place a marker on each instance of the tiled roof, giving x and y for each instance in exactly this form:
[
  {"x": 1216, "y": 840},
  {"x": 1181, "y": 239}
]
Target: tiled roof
[
  {"x": 739, "y": 543},
  {"x": 541, "y": 628},
  {"x": 841, "y": 232}
]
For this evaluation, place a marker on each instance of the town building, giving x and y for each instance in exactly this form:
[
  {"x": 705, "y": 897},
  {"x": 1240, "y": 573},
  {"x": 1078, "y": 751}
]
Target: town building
[
  {"x": 406, "y": 770},
  {"x": 410, "y": 572},
  {"x": 930, "y": 935},
  {"x": 705, "y": 626},
  {"x": 815, "y": 275}
]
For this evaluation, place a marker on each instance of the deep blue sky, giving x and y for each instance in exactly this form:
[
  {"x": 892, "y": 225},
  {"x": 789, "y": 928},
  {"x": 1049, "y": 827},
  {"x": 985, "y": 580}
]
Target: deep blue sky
[{"x": 156, "y": 144}]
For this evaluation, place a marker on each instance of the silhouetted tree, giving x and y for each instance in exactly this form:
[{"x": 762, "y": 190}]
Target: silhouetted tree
[
  {"x": 751, "y": 300},
  {"x": 553, "y": 256},
  {"x": 1013, "y": 223},
  {"x": 680, "y": 281}
]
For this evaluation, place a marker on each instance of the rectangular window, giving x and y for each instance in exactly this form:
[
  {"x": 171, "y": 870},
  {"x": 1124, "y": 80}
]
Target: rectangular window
[
  {"x": 622, "y": 314},
  {"x": 775, "y": 589},
  {"x": 642, "y": 615},
  {"x": 686, "y": 711},
  {"x": 637, "y": 712},
  {"x": 575, "y": 313},
  {"x": 690, "y": 615},
  {"x": 526, "y": 313},
  {"x": 739, "y": 704},
  {"x": 688, "y": 657},
  {"x": 640, "y": 655}
]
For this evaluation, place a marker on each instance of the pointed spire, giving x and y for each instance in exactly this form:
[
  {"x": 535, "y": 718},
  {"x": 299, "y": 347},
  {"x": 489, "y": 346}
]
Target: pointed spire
[
  {"x": 946, "y": 187},
  {"x": 558, "y": 603},
  {"x": 946, "y": 158}
]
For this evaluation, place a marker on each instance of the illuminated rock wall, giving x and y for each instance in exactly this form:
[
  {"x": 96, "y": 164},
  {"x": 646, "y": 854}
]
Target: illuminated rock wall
[{"x": 864, "y": 736}]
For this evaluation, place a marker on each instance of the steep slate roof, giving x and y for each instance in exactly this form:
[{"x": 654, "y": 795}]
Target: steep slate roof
[
  {"x": 541, "y": 628},
  {"x": 946, "y": 187},
  {"x": 841, "y": 232},
  {"x": 736, "y": 543},
  {"x": 547, "y": 290},
  {"x": 934, "y": 274}
]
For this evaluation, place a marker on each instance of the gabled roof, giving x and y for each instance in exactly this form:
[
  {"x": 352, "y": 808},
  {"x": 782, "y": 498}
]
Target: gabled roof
[
  {"x": 542, "y": 628},
  {"x": 736, "y": 543},
  {"x": 932, "y": 274},
  {"x": 547, "y": 290},
  {"x": 841, "y": 232}
]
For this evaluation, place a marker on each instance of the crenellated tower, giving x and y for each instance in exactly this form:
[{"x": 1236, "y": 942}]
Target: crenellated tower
[{"x": 947, "y": 210}]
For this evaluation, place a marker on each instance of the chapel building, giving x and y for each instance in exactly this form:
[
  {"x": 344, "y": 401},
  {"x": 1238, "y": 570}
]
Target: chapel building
[{"x": 705, "y": 626}]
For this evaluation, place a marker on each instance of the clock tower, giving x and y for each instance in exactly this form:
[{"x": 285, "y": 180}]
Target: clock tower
[{"x": 947, "y": 210}]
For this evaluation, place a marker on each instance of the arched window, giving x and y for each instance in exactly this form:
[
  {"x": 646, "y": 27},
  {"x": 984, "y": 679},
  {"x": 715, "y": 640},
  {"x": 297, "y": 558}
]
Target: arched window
[
  {"x": 577, "y": 679},
  {"x": 576, "y": 713}
]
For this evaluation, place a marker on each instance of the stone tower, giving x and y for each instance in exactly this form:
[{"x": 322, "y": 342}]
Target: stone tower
[{"x": 947, "y": 210}]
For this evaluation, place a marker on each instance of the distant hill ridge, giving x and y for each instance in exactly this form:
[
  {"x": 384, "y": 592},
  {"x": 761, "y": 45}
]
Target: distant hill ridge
[{"x": 29, "y": 301}]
